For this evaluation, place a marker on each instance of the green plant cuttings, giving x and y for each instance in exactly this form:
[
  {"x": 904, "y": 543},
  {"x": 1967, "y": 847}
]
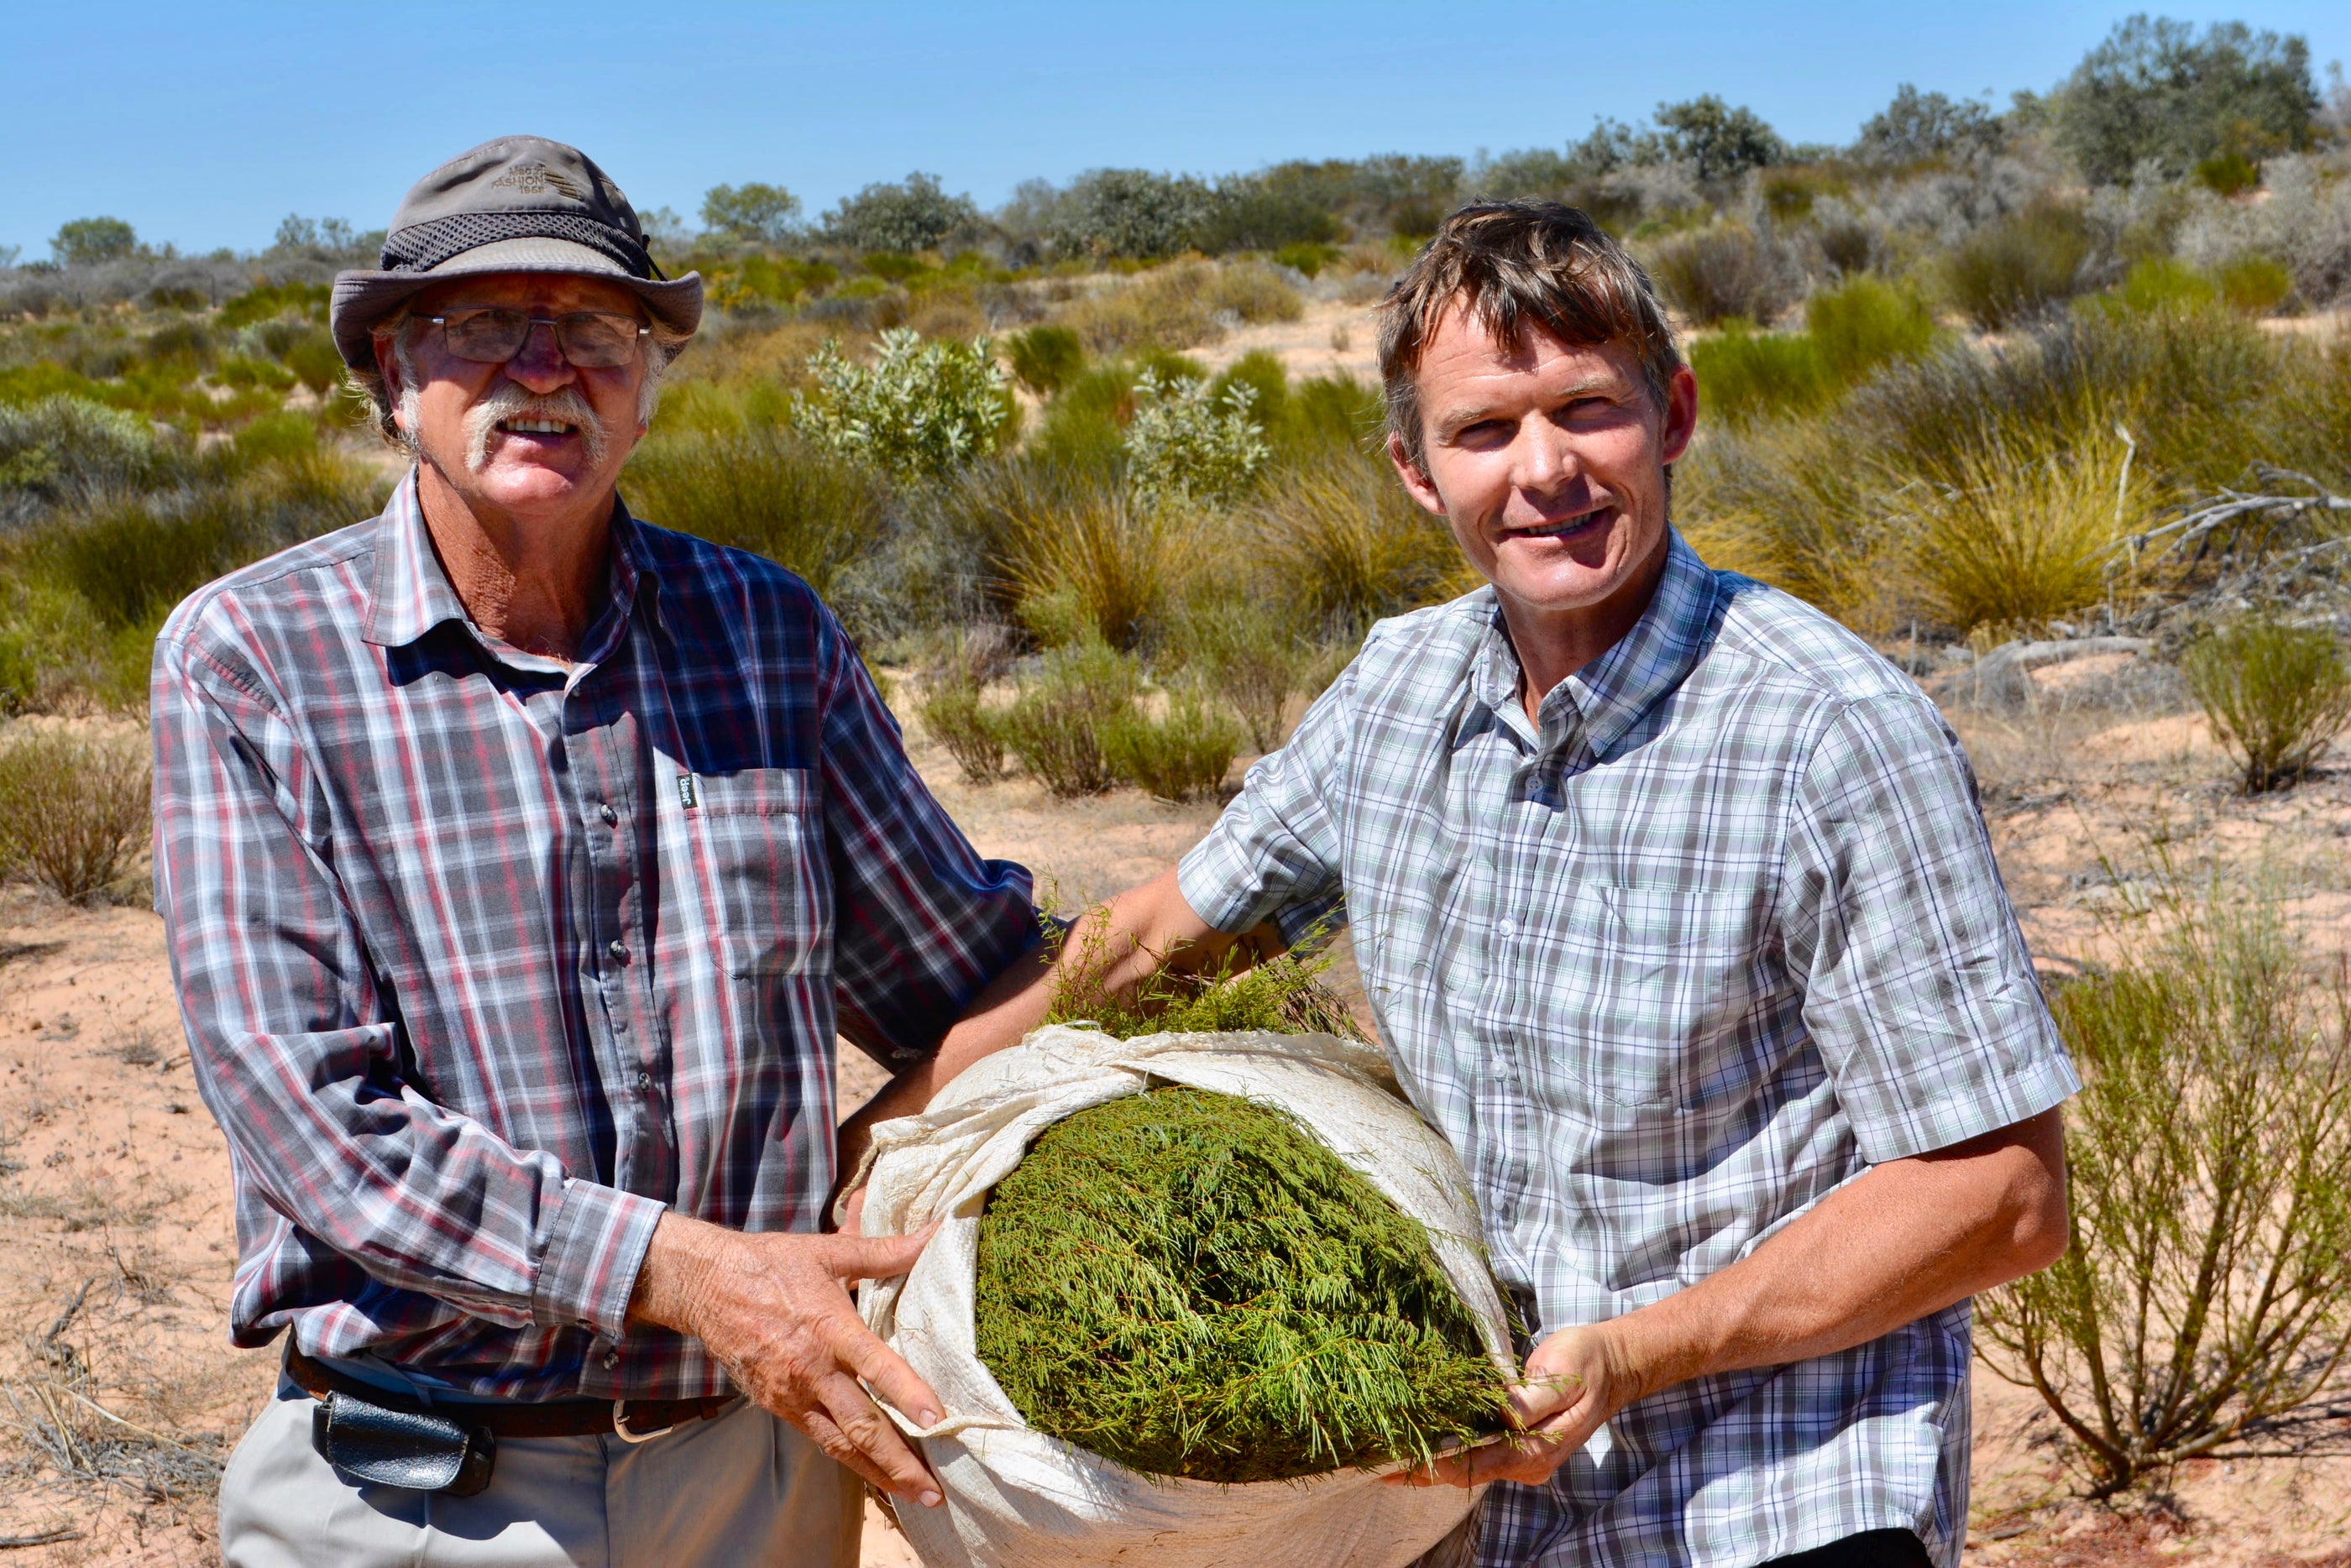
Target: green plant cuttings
[{"x": 1191, "y": 1284}]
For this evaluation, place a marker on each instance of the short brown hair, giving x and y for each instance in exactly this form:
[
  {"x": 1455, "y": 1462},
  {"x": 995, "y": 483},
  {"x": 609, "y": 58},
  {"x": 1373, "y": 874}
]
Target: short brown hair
[{"x": 1513, "y": 263}]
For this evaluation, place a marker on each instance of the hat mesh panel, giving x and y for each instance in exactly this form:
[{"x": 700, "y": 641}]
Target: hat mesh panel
[{"x": 423, "y": 246}]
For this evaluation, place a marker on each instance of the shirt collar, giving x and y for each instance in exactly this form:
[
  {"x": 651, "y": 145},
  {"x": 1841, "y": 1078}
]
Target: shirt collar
[
  {"x": 1607, "y": 697},
  {"x": 413, "y": 595}
]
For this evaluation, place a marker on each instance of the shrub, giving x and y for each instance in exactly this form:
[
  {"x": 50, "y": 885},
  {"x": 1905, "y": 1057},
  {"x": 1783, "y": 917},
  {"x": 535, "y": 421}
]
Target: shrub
[
  {"x": 1130, "y": 212},
  {"x": 1866, "y": 322},
  {"x": 1047, "y": 358},
  {"x": 2208, "y": 1285},
  {"x": 1180, "y": 757},
  {"x": 1247, "y": 652},
  {"x": 765, "y": 489},
  {"x": 1183, "y": 447},
  {"x": 1744, "y": 375},
  {"x": 2154, "y": 93},
  {"x": 2254, "y": 283},
  {"x": 1721, "y": 271},
  {"x": 2024, "y": 537},
  {"x": 2158, "y": 283},
  {"x": 1085, "y": 564},
  {"x": 60, "y": 448},
  {"x": 50, "y": 644},
  {"x": 922, "y": 408},
  {"x": 953, "y": 716},
  {"x": 1348, "y": 545},
  {"x": 315, "y": 361},
  {"x": 1055, "y": 726},
  {"x": 2013, "y": 269},
  {"x": 2276, "y": 695},
  {"x": 73, "y": 811}
]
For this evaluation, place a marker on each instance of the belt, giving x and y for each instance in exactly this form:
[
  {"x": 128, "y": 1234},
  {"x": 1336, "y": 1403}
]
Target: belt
[{"x": 632, "y": 1420}]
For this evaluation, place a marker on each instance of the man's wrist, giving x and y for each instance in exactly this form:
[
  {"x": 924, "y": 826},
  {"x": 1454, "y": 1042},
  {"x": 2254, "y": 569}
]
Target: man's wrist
[
  {"x": 672, "y": 1278},
  {"x": 1661, "y": 1344}
]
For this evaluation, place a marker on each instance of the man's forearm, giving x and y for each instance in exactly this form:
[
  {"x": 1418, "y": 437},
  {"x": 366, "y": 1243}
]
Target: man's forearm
[{"x": 1905, "y": 1238}]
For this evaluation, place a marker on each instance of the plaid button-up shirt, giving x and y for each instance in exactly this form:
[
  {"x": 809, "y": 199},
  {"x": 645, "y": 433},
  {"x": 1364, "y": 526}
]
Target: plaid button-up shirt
[
  {"x": 487, "y": 959},
  {"x": 1719, "y": 932}
]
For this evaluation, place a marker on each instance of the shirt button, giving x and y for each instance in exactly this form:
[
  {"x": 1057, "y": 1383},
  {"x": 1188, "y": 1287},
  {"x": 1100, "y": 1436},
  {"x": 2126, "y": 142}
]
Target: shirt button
[
  {"x": 619, "y": 950},
  {"x": 644, "y": 1079},
  {"x": 1508, "y": 928},
  {"x": 611, "y": 1359},
  {"x": 611, "y": 819}
]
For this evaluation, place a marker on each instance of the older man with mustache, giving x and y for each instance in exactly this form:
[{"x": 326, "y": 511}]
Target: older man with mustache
[{"x": 520, "y": 861}]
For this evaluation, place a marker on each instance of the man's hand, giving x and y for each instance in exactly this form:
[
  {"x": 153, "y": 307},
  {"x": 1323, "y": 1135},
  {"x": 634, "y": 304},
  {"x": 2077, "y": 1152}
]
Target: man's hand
[
  {"x": 1575, "y": 1380},
  {"x": 774, "y": 1311}
]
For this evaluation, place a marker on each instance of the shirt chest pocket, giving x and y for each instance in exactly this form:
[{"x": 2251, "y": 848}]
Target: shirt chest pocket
[
  {"x": 1655, "y": 987},
  {"x": 757, "y": 840}
]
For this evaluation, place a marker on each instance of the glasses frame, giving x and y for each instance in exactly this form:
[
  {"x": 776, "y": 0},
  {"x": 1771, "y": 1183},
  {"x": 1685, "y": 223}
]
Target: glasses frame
[{"x": 555, "y": 324}]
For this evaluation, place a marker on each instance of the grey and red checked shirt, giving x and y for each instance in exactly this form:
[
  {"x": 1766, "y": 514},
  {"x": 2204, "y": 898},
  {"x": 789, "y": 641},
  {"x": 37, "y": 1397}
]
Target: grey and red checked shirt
[
  {"x": 487, "y": 959},
  {"x": 1719, "y": 933}
]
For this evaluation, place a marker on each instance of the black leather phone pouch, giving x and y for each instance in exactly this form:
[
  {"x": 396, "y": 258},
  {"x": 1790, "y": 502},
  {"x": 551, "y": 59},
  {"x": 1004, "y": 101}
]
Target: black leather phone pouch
[{"x": 416, "y": 1450}]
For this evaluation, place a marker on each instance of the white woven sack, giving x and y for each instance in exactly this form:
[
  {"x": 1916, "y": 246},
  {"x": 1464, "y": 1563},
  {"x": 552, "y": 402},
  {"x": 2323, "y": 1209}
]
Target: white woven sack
[{"x": 1015, "y": 1496}]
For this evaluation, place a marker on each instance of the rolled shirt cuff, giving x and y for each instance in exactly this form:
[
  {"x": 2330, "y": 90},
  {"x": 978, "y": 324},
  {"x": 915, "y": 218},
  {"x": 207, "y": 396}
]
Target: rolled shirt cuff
[{"x": 593, "y": 1258}]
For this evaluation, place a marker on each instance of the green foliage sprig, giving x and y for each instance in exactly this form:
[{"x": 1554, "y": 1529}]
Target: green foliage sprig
[
  {"x": 1192, "y": 1284},
  {"x": 923, "y": 408}
]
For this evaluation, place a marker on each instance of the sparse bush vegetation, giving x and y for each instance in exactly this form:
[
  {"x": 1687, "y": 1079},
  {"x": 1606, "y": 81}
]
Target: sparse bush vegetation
[
  {"x": 2208, "y": 1285},
  {"x": 1180, "y": 757},
  {"x": 1182, "y": 446},
  {"x": 73, "y": 810},
  {"x": 2276, "y": 695},
  {"x": 1724, "y": 270},
  {"x": 1349, "y": 546},
  {"x": 952, "y": 715},
  {"x": 1181, "y": 304},
  {"x": 1247, "y": 654}
]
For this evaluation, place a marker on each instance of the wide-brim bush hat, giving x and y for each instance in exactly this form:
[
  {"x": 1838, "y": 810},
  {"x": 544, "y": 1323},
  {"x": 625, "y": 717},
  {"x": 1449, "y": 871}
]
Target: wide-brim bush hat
[{"x": 521, "y": 204}]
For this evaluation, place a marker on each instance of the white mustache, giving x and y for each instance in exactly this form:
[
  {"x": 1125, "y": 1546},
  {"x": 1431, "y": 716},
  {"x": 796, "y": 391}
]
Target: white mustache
[{"x": 509, "y": 400}]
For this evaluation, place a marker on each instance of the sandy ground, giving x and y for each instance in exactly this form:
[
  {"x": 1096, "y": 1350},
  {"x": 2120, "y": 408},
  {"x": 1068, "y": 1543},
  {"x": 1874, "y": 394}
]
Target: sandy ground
[{"x": 114, "y": 1182}]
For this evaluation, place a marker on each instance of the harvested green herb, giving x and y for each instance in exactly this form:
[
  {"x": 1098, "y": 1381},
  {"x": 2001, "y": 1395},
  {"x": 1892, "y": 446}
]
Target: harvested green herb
[{"x": 1193, "y": 1284}]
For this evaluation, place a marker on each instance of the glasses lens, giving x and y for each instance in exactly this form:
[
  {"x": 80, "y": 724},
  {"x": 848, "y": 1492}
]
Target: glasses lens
[
  {"x": 597, "y": 341},
  {"x": 485, "y": 337}
]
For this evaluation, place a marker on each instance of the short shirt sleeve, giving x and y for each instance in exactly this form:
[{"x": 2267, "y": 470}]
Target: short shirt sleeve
[
  {"x": 1274, "y": 854},
  {"x": 1919, "y": 994}
]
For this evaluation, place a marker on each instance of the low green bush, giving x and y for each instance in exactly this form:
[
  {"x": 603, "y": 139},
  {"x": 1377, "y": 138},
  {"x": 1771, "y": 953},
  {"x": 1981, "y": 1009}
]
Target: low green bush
[
  {"x": 2276, "y": 695},
  {"x": 2012, "y": 270},
  {"x": 1185, "y": 446},
  {"x": 1055, "y": 725},
  {"x": 73, "y": 810},
  {"x": 1724, "y": 270},
  {"x": 1247, "y": 652},
  {"x": 1866, "y": 322},
  {"x": 952, "y": 715},
  {"x": 1347, "y": 545},
  {"x": 1744, "y": 375},
  {"x": 2255, "y": 284},
  {"x": 1181, "y": 757},
  {"x": 1045, "y": 359}
]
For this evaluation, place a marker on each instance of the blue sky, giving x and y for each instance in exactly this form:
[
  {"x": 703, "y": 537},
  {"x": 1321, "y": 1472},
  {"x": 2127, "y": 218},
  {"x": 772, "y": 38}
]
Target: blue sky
[{"x": 204, "y": 125}]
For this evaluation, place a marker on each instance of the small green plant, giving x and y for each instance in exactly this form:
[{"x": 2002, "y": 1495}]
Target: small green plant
[
  {"x": 923, "y": 408},
  {"x": 1185, "y": 446},
  {"x": 1247, "y": 653},
  {"x": 2207, "y": 1286},
  {"x": 1193, "y": 1284},
  {"x": 1724, "y": 270},
  {"x": 2227, "y": 173},
  {"x": 2012, "y": 270},
  {"x": 952, "y": 715},
  {"x": 1181, "y": 757},
  {"x": 1866, "y": 322},
  {"x": 2159, "y": 283},
  {"x": 1743, "y": 374},
  {"x": 73, "y": 810},
  {"x": 1047, "y": 358},
  {"x": 2276, "y": 695},
  {"x": 2023, "y": 536},
  {"x": 2255, "y": 284},
  {"x": 1055, "y": 726}
]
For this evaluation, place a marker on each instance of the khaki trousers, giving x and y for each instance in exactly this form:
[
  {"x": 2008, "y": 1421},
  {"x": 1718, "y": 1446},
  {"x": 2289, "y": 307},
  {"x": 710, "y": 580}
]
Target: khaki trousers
[{"x": 743, "y": 1488}]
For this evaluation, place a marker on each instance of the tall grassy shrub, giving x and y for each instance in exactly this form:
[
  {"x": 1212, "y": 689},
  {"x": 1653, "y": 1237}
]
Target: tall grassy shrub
[
  {"x": 2023, "y": 537},
  {"x": 2276, "y": 695},
  {"x": 1724, "y": 270},
  {"x": 767, "y": 490},
  {"x": 1343, "y": 542},
  {"x": 2012, "y": 270},
  {"x": 1180, "y": 756},
  {"x": 2208, "y": 1285}
]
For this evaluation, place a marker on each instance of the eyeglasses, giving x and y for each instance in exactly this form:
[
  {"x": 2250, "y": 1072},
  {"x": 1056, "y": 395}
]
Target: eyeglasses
[{"x": 591, "y": 339}]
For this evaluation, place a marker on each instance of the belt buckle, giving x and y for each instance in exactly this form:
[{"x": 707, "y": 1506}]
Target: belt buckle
[{"x": 621, "y": 1426}]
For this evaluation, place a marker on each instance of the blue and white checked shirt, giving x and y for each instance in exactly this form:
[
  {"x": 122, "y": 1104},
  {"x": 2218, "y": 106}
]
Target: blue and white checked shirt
[
  {"x": 485, "y": 960},
  {"x": 1721, "y": 932}
]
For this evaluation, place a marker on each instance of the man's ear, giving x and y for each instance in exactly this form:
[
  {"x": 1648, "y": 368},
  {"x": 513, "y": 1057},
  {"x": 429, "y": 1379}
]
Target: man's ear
[
  {"x": 387, "y": 365},
  {"x": 1415, "y": 483},
  {"x": 1681, "y": 417}
]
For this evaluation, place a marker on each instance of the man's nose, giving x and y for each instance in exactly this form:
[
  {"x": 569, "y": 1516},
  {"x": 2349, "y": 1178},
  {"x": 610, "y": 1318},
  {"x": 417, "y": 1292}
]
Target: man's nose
[
  {"x": 539, "y": 364},
  {"x": 1546, "y": 461}
]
